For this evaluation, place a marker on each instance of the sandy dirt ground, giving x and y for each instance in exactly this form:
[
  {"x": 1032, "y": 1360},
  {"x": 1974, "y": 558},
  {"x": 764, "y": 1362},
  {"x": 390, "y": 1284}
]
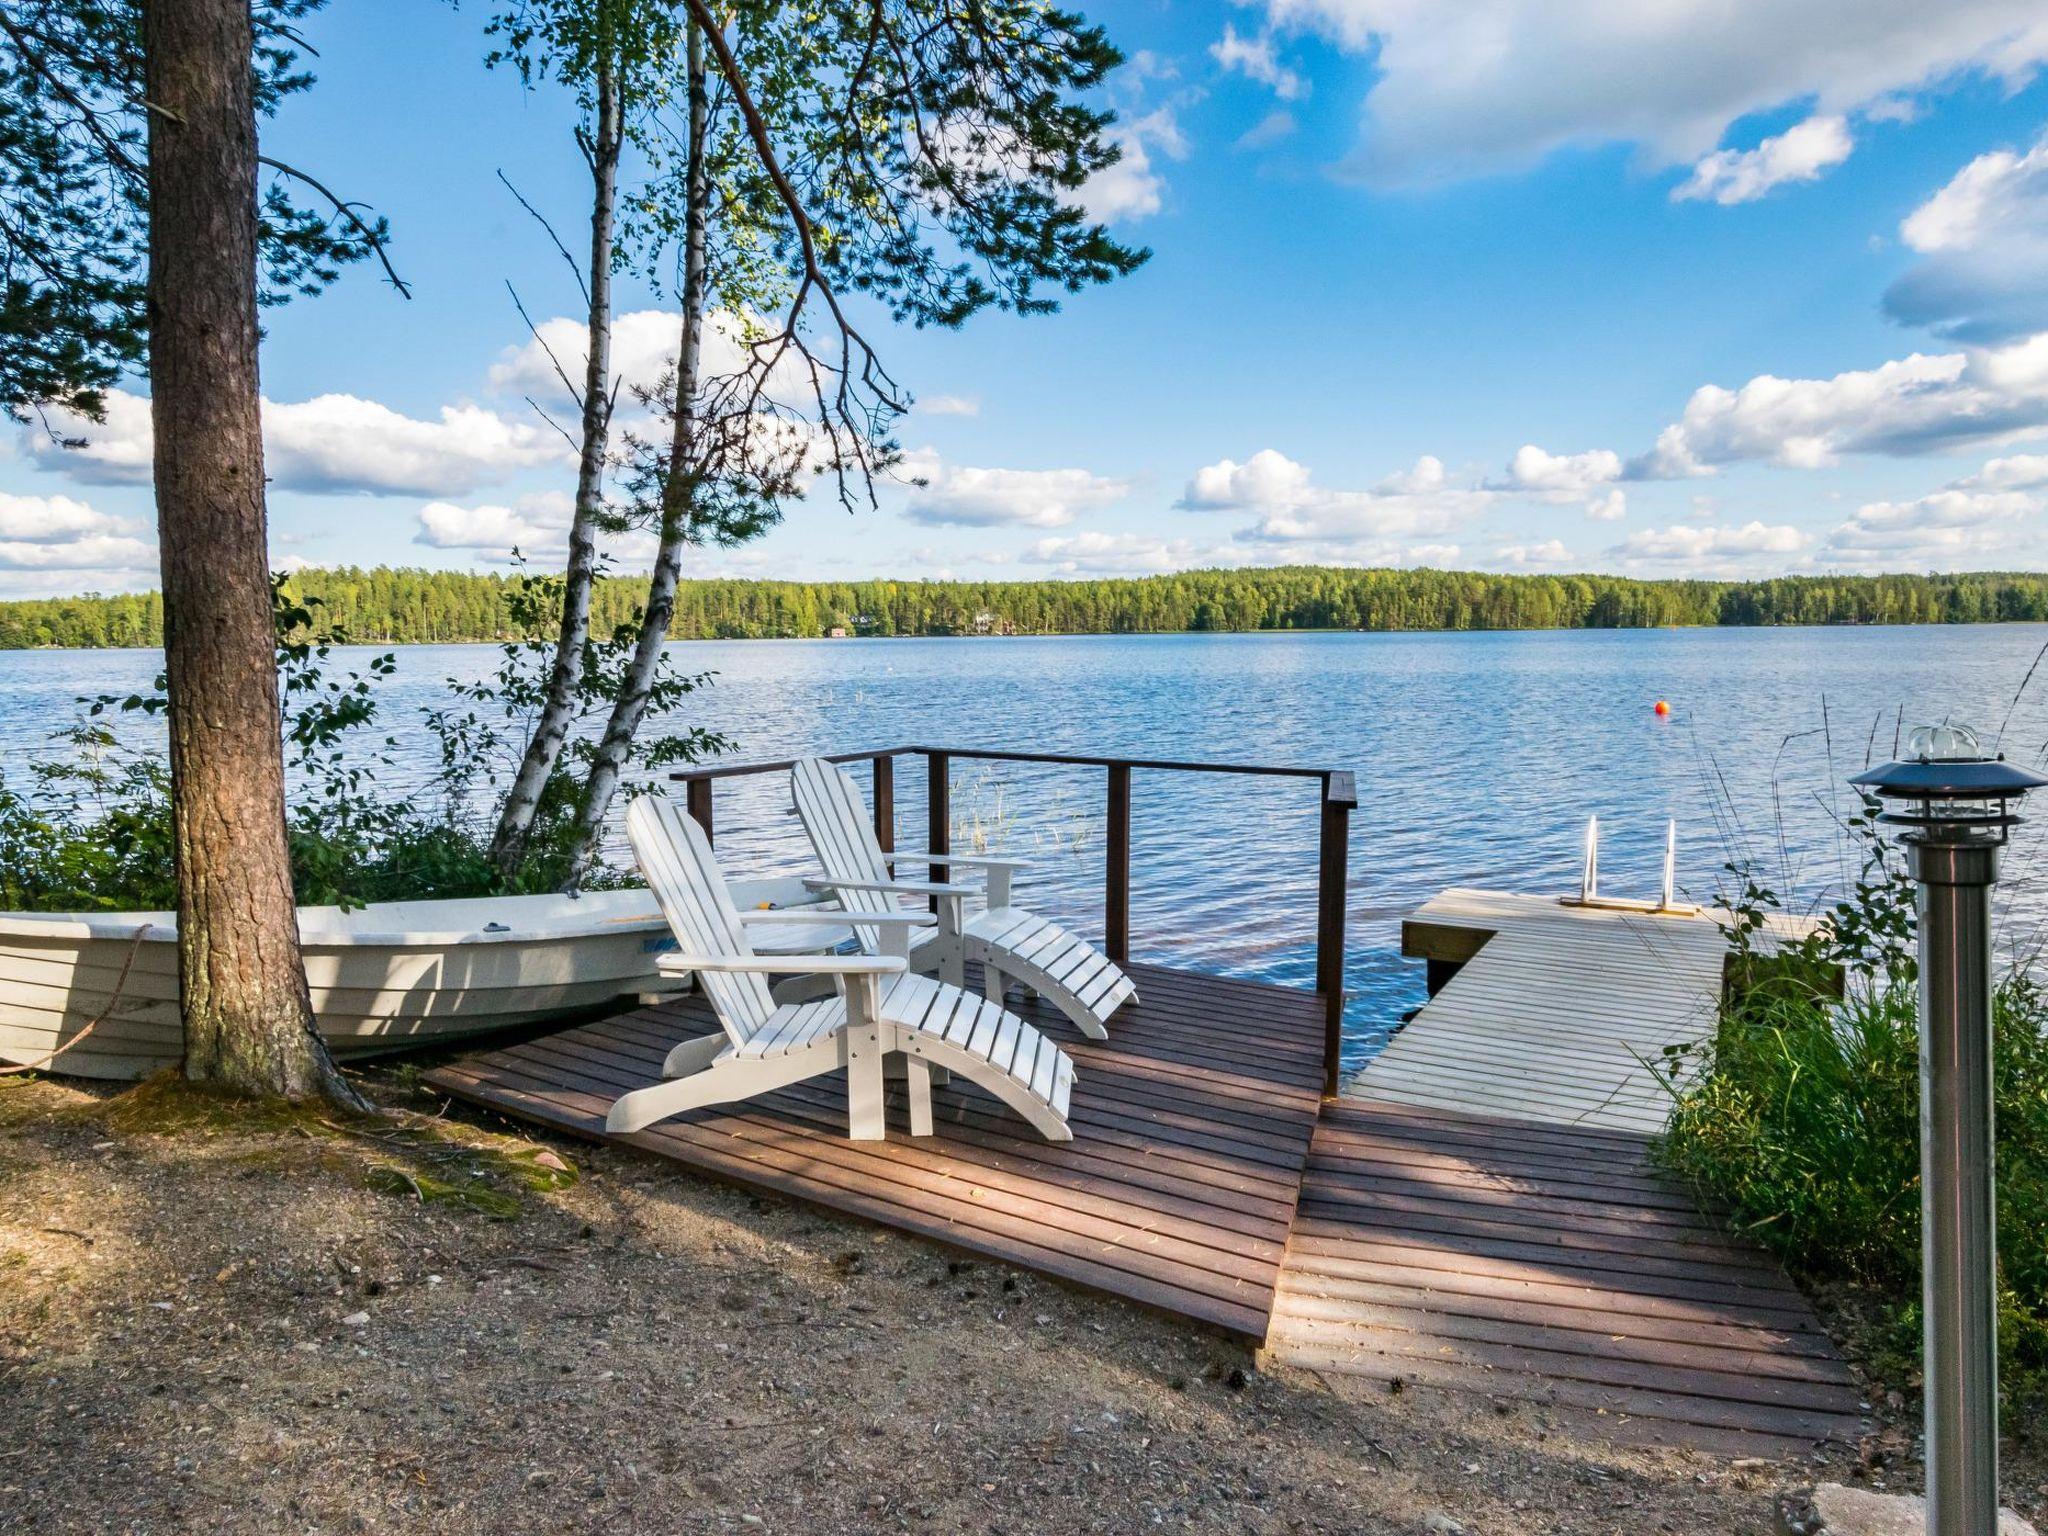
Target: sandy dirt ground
[{"x": 435, "y": 1324}]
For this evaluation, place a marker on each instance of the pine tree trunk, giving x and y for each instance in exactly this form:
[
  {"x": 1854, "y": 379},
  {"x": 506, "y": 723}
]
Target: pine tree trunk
[
  {"x": 242, "y": 982},
  {"x": 678, "y": 496},
  {"x": 551, "y": 730}
]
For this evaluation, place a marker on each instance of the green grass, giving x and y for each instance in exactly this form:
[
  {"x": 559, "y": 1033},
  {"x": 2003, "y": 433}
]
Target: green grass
[{"x": 1803, "y": 1128}]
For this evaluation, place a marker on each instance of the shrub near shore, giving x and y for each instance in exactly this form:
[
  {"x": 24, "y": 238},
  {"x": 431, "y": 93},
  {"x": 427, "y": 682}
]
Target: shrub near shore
[{"x": 1802, "y": 1124}]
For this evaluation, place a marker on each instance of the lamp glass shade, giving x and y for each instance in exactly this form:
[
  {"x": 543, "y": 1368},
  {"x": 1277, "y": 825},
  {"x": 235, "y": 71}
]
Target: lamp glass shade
[
  {"x": 1944, "y": 744},
  {"x": 1947, "y": 780}
]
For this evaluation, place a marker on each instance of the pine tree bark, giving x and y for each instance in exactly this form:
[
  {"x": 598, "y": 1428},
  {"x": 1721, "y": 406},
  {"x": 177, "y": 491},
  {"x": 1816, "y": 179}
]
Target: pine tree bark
[
  {"x": 558, "y": 708},
  {"x": 242, "y": 981},
  {"x": 678, "y": 499}
]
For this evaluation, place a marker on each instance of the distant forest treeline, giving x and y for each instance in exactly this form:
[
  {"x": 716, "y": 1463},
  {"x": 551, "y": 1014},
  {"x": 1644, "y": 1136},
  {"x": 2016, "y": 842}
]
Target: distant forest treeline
[{"x": 411, "y": 606}]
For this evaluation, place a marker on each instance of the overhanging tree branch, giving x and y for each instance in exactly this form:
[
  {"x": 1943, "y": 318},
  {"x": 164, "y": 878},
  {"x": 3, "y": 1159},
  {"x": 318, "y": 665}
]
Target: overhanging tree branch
[{"x": 372, "y": 237}]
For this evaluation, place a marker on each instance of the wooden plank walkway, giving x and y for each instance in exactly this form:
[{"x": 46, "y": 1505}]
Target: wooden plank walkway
[
  {"x": 1481, "y": 1216},
  {"x": 1556, "y": 1013},
  {"x": 1191, "y": 1126},
  {"x": 1551, "y": 1267}
]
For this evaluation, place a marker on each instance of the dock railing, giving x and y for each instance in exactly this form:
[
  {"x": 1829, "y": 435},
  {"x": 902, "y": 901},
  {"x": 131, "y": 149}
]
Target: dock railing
[{"x": 1337, "y": 795}]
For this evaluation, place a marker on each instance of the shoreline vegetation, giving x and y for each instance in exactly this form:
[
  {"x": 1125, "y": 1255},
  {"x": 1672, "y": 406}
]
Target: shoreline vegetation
[
  {"x": 1801, "y": 1127},
  {"x": 400, "y": 606}
]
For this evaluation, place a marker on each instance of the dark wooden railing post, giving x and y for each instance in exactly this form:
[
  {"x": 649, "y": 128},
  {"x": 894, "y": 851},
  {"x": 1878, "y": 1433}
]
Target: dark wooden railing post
[
  {"x": 1116, "y": 870},
  {"x": 697, "y": 799},
  {"x": 938, "y": 801},
  {"x": 885, "y": 803},
  {"x": 1333, "y": 879}
]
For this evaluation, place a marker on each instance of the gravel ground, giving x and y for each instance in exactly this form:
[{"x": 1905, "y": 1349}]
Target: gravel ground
[{"x": 431, "y": 1325}]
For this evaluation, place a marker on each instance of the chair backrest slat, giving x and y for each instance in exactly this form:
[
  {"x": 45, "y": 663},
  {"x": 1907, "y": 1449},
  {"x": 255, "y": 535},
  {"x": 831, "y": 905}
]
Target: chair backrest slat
[
  {"x": 830, "y": 806},
  {"x": 676, "y": 858}
]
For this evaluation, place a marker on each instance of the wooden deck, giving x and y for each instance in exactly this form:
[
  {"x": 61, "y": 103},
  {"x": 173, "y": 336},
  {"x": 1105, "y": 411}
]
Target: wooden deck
[
  {"x": 1477, "y": 1214},
  {"x": 1556, "y": 1013},
  {"x": 1551, "y": 1267},
  {"x": 1191, "y": 1125}
]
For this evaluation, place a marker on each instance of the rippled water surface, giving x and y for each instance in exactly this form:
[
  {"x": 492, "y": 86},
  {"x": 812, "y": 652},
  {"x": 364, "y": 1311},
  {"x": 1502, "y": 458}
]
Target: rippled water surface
[{"x": 1478, "y": 756}]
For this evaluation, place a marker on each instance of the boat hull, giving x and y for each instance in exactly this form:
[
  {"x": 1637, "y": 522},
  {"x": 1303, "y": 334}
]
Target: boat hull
[{"x": 382, "y": 978}]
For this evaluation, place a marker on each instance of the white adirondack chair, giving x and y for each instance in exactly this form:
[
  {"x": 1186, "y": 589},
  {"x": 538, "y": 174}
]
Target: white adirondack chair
[
  {"x": 882, "y": 1010},
  {"x": 1011, "y": 944}
]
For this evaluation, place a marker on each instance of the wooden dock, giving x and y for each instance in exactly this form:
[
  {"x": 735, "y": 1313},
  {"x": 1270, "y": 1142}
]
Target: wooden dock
[
  {"x": 1555, "y": 1013},
  {"x": 1191, "y": 1126},
  {"x": 1554, "y": 1270},
  {"x": 1479, "y": 1210},
  {"x": 1478, "y": 1213}
]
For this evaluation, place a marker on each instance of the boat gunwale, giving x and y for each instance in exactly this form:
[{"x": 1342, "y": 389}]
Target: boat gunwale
[{"x": 162, "y": 927}]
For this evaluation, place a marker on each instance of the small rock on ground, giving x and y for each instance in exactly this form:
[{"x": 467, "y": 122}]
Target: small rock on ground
[{"x": 1838, "y": 1510}]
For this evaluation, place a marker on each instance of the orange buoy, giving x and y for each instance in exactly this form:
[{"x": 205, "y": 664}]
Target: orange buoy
[{"x": 1663, "y": 708}]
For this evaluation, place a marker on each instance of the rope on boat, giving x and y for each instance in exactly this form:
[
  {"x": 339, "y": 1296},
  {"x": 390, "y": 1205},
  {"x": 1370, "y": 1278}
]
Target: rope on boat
[{"x": 120, "y": 984}]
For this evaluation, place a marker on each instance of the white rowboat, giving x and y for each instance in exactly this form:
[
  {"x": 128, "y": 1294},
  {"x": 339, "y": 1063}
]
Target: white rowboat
[{"x": 384, "y": 977}]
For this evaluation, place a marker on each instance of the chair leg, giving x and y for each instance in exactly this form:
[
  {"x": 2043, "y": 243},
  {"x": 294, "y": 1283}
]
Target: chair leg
[
  {"x": 865, "y": 1063},
  {"x": 993, "y": 982},
  {"x": 918, "y": 1080}
]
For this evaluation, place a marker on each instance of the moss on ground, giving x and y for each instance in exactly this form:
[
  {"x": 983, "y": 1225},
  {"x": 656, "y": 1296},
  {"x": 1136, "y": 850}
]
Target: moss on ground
[{"x": 414, "y": 1157}]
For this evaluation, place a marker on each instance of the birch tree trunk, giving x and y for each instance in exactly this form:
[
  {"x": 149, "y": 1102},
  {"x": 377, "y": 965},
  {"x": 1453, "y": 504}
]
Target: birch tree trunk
[
  {"x": 551, "y": 730},
  {"x": 242, "y": 982},
  {"x": 678, "y": 496}
]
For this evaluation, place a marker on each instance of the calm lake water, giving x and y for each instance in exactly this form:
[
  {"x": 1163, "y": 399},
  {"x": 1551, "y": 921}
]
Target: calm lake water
[{"x": 1479, "y": 758}]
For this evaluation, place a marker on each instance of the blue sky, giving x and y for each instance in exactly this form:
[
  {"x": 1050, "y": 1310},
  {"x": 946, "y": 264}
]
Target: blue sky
[{"x": 1701, "y": 289}]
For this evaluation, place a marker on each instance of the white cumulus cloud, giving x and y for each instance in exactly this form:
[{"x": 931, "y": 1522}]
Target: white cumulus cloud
[
  {"x": 1134, "y": 187},
  {"x": 2017, "y": 472},
  {"x": 42, "y": 536},
  {"x": 967, "y": 496},
  {"x": 1550, "y": 555},
  {"x": 1287, "y": 506},
  {"x": 1714, "y": 549},
  {"x": 1569, "y": 475},
  {"x": 1997, "y": 516},
  {"x": 342, "y": 443},
  {"x": 52, "y": 519},
  {"x": 537, "y": 526},
  {"x": 1922, "y": 403},
  {"x": 333, "y": 443},
  {"x": 1485, "y": 85},
  {"x": 644, "y": 344},
  {"x": 1948, "y": 528},
  {"x": 1561, "y": 478},
  {"x": 1120, "y": 554},
  {"x": 95, "y": 552},
  {"x": 1803, "y": 152},
  {"x": 115, "y": 451},
  {"x": 1256, "y": 59},
  {"x": 1983, "y": 243}
]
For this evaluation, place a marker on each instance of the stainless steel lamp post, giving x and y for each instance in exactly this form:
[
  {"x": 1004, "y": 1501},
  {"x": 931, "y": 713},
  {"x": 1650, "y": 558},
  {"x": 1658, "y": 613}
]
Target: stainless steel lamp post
[{"x": 1956, "y": 804}]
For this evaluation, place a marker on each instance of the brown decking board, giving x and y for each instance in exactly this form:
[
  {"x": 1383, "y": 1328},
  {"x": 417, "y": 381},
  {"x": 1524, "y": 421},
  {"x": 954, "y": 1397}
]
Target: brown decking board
[
  {"x": 1191, "y": 1125},
  {"x": 1548, "y": 1265},
  {"x": 1526, "y": 1261}
]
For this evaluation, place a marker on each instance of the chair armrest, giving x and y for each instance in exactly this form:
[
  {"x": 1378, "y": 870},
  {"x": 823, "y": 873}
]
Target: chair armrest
[
  {"x": 971, "y": 860},
  {"x": 786, "y": 965},
  {"x": 841, "y": 919},
  {"x": 899, "y": 887}
]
